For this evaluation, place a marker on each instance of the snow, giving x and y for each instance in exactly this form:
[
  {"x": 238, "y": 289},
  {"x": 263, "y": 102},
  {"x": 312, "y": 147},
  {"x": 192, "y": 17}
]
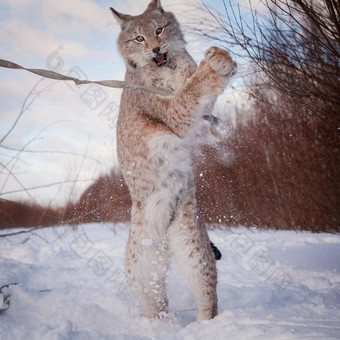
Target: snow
[{"x": 71, "y": 285}]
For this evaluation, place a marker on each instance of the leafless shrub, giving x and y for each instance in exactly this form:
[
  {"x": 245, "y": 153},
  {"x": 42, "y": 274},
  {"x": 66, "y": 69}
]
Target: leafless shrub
[{"x": 286, "y": 171}]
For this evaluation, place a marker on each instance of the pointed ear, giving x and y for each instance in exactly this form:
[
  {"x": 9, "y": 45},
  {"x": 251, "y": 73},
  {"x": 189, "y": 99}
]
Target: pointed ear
[
  {"x": 153, "y": 5},
  {"x": 121, "y": 18}
]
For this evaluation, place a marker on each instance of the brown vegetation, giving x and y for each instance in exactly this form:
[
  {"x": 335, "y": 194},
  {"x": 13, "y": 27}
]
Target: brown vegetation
[
  {"x": 286, "y": 170},
  {"x": 107, "y": 200},
  {"x": 281, "y": 177},
  {"x": 276, "y": 179},
  {"x": 23, "y": 214}
]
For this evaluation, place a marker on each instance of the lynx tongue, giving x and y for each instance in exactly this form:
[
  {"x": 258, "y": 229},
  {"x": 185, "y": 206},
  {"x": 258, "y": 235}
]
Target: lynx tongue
[{"x": 160, "y": 59}]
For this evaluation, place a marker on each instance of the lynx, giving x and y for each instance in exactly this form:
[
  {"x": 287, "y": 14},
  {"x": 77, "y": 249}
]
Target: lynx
[{"x": 153, "y": 145}]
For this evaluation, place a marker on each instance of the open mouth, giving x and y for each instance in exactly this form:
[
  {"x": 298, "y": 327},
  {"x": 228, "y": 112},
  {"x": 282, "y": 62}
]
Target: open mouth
[{"x": 160, "y": 59}]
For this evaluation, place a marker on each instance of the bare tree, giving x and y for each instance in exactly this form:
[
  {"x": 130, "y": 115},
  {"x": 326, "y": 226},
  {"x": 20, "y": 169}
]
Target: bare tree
[
  {"x": 29, "y": 213},
  {"x": 289, "y": 152},
  {"x": 296, "y": 45}
]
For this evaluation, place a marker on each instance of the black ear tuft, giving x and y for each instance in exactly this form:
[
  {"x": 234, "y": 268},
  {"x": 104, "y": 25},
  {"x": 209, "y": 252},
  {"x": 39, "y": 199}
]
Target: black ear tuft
[{"x": 121, "y": 18}]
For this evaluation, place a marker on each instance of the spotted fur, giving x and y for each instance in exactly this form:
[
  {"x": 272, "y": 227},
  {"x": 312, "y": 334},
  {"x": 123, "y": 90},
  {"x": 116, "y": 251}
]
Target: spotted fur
[{"x": 153, "y": 138}]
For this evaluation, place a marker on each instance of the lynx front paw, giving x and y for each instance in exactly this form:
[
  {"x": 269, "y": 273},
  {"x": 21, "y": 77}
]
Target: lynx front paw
[{"x": 220, "y": 61}]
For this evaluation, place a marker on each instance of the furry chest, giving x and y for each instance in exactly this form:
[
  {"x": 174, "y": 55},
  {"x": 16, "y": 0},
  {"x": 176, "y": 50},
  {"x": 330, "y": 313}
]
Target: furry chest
[{"x": 170, "y": 159}]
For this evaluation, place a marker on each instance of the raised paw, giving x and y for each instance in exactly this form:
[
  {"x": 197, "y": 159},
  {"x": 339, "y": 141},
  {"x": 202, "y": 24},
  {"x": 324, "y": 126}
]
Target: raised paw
[
  {"x": 220, "y": 61},
  {"x": 210, "y": 52}
]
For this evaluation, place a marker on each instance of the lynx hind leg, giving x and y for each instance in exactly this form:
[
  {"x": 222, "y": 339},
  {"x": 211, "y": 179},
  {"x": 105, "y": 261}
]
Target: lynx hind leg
[
  {"x": 146, "y": 266},
  {"x": 220, "y": 61},
  {"x": 190, "y": 245}
]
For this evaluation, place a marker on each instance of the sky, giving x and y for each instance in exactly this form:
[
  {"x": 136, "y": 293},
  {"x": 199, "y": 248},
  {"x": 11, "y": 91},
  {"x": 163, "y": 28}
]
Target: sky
[{"x": 65, "y": 137}]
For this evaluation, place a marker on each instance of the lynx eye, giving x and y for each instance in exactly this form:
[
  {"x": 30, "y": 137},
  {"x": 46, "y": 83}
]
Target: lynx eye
[
  {"x": 139, "y": 38},
  {"x": 159, "y": 30}
]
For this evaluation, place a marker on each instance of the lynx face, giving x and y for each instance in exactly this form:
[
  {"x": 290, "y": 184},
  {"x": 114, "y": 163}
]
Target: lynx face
[{"x": 152, "y": 38}]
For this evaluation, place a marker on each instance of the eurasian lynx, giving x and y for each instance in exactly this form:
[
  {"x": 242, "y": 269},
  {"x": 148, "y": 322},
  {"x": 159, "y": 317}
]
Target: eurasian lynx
[{"x": 153, "y": 150}]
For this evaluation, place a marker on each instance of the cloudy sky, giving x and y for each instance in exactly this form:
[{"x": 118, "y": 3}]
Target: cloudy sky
[{"x": 64, "y": 133}]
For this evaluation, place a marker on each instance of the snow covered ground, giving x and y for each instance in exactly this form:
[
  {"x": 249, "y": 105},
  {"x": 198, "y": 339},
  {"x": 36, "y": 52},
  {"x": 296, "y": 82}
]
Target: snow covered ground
[{"x": 71, "y": 285}]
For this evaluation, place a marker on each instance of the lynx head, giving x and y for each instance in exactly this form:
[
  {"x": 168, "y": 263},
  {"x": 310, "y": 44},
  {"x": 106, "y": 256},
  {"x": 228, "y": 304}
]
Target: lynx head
[{"x": 152, "y": 38}]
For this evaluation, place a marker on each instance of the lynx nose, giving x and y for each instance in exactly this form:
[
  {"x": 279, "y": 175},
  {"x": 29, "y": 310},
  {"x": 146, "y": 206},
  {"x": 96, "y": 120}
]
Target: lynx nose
[{"x": 156, "y": 50}]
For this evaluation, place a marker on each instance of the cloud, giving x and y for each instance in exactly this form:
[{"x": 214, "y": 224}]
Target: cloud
[
  {"x": 35, "y": 28},
  {"x": 58, "y": 121},
  {"x": 30, "y": 43},
  {"x": 82, "y": 16}
]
